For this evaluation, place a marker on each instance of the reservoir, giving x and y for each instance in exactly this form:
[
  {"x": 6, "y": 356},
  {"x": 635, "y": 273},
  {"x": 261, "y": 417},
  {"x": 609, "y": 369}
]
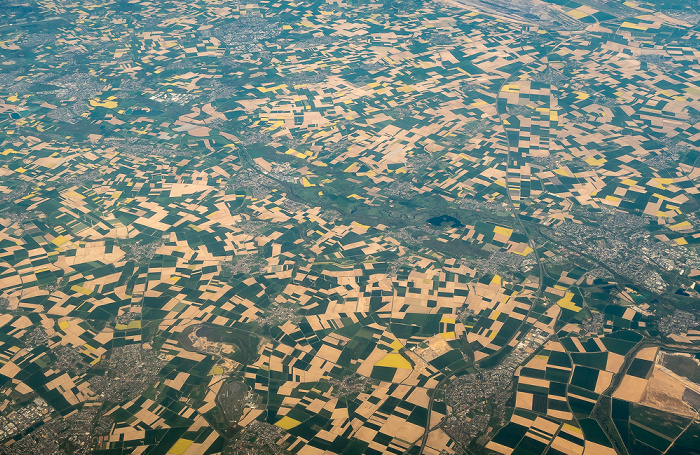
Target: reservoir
[{"x": 443, "y": 220}]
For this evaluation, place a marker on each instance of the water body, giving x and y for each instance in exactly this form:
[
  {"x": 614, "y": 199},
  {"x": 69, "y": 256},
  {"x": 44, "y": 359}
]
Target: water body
[{"x": 443, "y": 220}]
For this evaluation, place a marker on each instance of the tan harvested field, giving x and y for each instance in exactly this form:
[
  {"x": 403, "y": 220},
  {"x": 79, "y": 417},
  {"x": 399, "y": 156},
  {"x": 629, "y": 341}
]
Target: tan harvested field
[
  {"x": 631, "y": 389},
  {"x": 592, "y": 448}
]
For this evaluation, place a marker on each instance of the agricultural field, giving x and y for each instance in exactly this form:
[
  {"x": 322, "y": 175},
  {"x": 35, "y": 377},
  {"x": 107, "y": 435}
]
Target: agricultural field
[{"x": 349, "y": 227}]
